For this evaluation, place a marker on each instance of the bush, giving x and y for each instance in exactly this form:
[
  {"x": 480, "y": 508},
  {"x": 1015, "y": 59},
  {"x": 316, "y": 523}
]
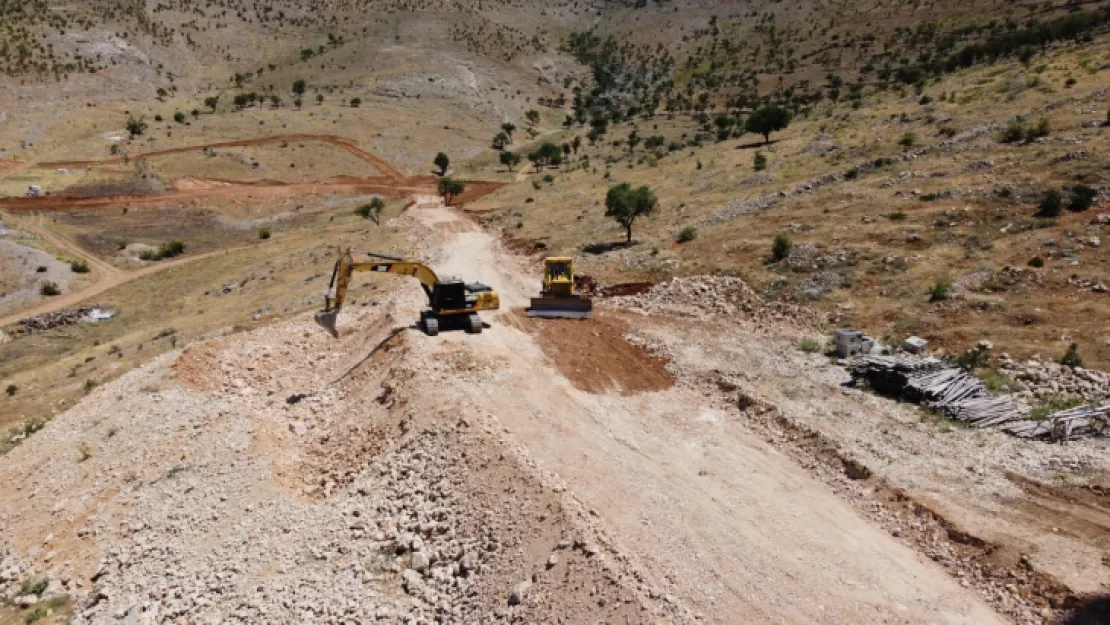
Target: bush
[
  {"x": 1036, "y": 262},
  {"x": 169, "y": 249},
  {"x": 32, "y": 586},
  {"x": 1051, "y": 204},
  {"x": 781, "y": 246},
  {"x": 810, "y": 346},
  {"x": 760, "y": 161},
  {"x": 34, "y": 616},
  {"x": 356, "y": 102},
  {"x": 1071, "y": 357},
  {"x": 1014, "y": 133},
  {"x": 689, "y": 233},
  {"x": 908, "y": 140},
  {"x": 548, "y": 178},
  {"x": 929, "y": 197},
  {"x": 11, "y": 390},
  {"x": 50, "y": 288},
  {"x": 79, "y": 266},
  {"x": 264, "y": 234},
  {"x": 897, "y": 216},
  {"x": 179, "y": 117},
  {"x": 1082, "y": 198},
  {"x": 852, "y": 173},
  {"x": 939, "y": 292}
]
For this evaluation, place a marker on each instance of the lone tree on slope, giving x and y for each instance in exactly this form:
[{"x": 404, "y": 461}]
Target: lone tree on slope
[
  {"x": 450, "y": 188},
  {"x": 441, "y": 161},
  {"x": 298, "y": 86},
  {"x": 624, "y": 204},
  {"x": 510, "y": 159},
  {"x": 767, "y": 120},
  {"x": 509, "y": 128}
]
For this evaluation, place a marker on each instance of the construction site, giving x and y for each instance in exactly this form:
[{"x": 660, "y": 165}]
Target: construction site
[{"x": 324, "y": 354}]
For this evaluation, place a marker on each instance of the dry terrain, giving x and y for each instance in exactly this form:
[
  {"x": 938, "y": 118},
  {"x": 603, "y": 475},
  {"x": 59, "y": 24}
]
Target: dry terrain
[{"x": 180, "y": 443}]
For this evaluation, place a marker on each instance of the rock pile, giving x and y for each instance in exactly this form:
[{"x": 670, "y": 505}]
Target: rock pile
[
  {"x": 70, "y": 316},
  {"x": 713, "y": 297},
  {"x": 1042, "y": 377}
]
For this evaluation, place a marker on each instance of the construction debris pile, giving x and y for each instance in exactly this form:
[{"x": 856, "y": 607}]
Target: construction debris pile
[
  {"x": 960, "y": 395},
  {"x": 70, "y": 316},
  {"x": 708, "y": 297}
]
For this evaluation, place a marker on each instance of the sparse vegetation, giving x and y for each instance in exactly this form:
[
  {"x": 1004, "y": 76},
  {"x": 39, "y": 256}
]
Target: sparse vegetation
[
  {"x": 49, "y": 288},
  {"x": 450, "y": 188},
  {"x": 1081, "y": 198},
  {"x": 373, "y": 210},
  {"x": 1051, "y": 404},
  {"x": 759, "y": 163},
  {"x": 442, "y": 162},
  {"x": 810, "y": 345},
  {"x": 33, "y": 586},
  {"x": 1051, "y": 204},
  {"x": 79, "y": 266},
  {"x": 264, "y": 234},
  {"x": 1072, "y": 358},
  {"x": 781, "y": 246},
  {"x": 940, "y": 290},
  {"x": 169, "y": 249},
  {"x": 136, "y": 127},
  {"x": 687, "y": 234},
  {"x": 1036, "y": 262},
  {"x": 11, "y": 390},
  {"x": 84, "y": 452}
]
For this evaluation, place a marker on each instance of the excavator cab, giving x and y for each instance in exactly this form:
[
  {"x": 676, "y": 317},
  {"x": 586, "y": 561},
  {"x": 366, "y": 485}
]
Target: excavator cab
[{"x": 559, "y": 299}]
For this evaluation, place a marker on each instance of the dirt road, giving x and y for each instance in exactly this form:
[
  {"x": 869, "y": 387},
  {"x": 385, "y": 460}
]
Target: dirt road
[{"x": 742, "y": 532}]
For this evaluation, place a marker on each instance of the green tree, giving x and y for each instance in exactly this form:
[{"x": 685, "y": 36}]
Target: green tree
[
  {"x": 577, "y": 143},
  {"x": 760, "y": 161},
  {"x": 1082, "y": 198},
  {"x": 624, "y": 204},
  {"x": 211, "y": 102},
  {"x": 275, "y": 99},
  {"x": 356, "y": 102},
  {"x": 298, "y": 86},
  {"x": 767, "y": 120},
  {"x": 500, "y": 140},
  {"x": 509, "y": 159},
  {"x": 533, "y": 117},
  {"x": 319, "y": 98},
  {"x": 241, "y": 101},
  {"x": 508, "y": 128},
  {"x": 633, "y": 141},
  {"x": 372, "y": 211},
  {"x": 450, "y": 188},
  {"x": 297, "y": 102},
  {"x": 441, "y": 161},
  {"x": 179, "y": 117},
  {"x": 1071, "y": 357}
]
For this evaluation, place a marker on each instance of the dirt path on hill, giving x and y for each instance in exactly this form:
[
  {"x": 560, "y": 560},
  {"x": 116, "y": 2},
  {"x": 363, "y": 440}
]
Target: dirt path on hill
[{"x": 349, "y": 145}]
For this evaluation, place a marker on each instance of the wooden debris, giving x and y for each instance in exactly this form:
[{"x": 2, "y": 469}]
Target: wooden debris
[{"x": 962, "y": 396}]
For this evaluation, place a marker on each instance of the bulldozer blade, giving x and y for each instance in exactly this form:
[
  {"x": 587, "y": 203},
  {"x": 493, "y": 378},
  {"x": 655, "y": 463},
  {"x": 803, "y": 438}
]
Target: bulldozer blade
[
  {"x": 326, "y": 320},
  {"x": 561, "y": 308}
]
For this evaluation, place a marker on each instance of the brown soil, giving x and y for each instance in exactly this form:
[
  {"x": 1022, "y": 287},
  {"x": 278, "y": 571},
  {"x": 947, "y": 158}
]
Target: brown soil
[{"x": 594, "y": 355}]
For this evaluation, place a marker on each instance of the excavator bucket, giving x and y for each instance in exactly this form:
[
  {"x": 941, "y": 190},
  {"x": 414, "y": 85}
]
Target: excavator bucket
[
  {"x": 572, "y": 307},
  {"x": 326, "y": 320}
]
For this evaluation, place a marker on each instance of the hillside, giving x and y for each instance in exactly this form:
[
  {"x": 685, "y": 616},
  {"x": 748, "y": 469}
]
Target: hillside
[{"x": 180, "y": 443}]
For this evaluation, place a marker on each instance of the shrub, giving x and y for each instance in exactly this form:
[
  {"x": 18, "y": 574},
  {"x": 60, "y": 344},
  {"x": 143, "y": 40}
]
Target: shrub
[
  {"x": 1036, "y": 262},
  {"x": 759, "y": 163},
  {"x": 1041, "y": 130},
  {"x": 50, "y": 288},
  {"x": 689, "y": 233},
  {"x": 11, "y": 390},
  {"x": 897, "y": 216},
  {"x": 908, "y": 140},
  {"x": 1052, "y": 404},
  {"x": 169, "y": 249},
  {"x": 548, "y": 178},
  {"x": 1051, "y": 204},
  {"x": 356, "y": 102},
  {"x": 34, "y": 616},
  {"x": 810, "y": 346},
  {"x": 264, "y": 234},
  {"x": 84, "y": 452},
  {"x": 1071, "y": 357},
  {"x": 929, "y": 197},
  {"x": 781, "y": 246},
  {"x": 939, "y": 292},
  {"x": 852, "y": 173},
  {"x": 1014, "y": 133},
  {"x": 32, "y": 586},
  {"x": 179, "y": 117},
  {"x": 41, "y": 269},
  {"x": 1071, "y": 82},
  {"x": 1082, "y": 198},
  {"x": 79, "y": 266}
]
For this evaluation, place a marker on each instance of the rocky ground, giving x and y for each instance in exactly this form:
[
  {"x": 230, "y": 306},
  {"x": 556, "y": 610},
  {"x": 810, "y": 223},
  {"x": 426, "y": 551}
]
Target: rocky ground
[{"x": 281, "y": 475}]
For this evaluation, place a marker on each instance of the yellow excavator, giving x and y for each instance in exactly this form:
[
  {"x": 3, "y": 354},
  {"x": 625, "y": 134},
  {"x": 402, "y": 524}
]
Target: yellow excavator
[
  {"x": 559, "y": 299},
  {"x": 451, "y": 303}
]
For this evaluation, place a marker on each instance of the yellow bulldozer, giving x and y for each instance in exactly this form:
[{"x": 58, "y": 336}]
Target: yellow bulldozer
[
  {"x": 452, "y": 303},
  {"x": 559, "y": 299}
]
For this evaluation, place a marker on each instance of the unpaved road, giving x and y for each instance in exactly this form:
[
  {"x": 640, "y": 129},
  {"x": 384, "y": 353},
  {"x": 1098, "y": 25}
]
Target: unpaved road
[
  {"x": 281, "y": 475},
  {"x": 742, "y": 533}
]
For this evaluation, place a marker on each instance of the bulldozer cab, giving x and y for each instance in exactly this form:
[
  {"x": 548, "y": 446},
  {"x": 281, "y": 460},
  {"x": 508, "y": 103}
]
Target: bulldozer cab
[
  {"x": 449, "y": 295},
  {"x": 558, "y": 275}
]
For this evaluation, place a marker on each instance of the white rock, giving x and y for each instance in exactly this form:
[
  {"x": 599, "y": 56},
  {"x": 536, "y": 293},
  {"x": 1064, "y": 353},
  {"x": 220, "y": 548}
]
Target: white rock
[
  {"x": 519, "y": 592},
  {"x": 419, "y": 561}
]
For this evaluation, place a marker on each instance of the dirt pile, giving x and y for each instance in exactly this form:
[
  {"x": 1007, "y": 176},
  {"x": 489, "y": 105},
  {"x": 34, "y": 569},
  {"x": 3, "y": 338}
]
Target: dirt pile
[{"x": 709, "y": 297}]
